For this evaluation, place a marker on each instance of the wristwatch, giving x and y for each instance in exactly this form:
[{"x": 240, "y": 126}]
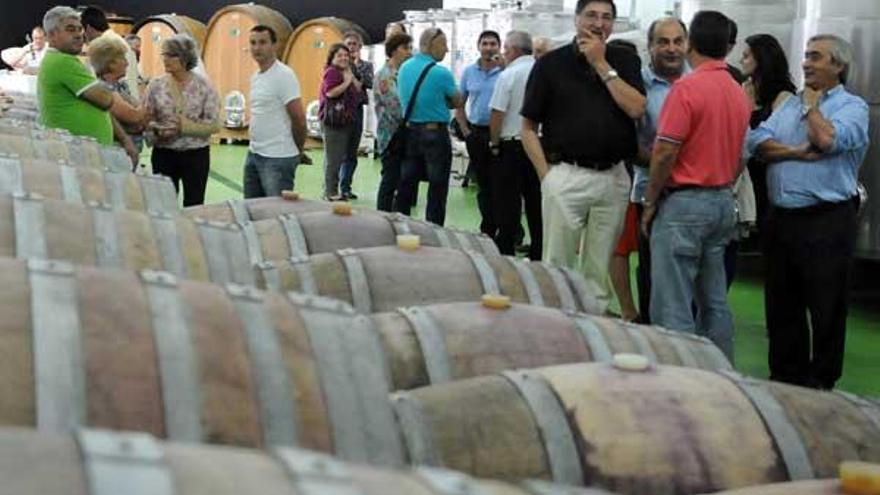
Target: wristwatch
[
  {"x": 610, "y": 75},
  {"x": 805, "y": 110}
]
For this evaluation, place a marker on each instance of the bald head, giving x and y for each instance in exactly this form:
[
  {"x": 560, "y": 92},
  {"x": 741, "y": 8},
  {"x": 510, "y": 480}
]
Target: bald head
[
  {"x": 541, "y": 45},
  {"x": 667, "y": 43}
]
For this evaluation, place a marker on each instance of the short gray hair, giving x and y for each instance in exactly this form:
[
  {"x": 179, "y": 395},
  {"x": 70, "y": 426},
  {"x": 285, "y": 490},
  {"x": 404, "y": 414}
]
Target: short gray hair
[
  {"x": 428, "y": 36},
  {"x": 52, "y": 19},
  {"x": 520, "y": 40},
  {"x": 842, "y": 53},
  {"x": 103, "y": 50},
  {"x": 183, "y": 47}
]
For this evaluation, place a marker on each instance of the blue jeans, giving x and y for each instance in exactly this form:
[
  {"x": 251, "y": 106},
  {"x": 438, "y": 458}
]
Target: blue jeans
[
  {"x": 346, "y": 172},
  {"x": 688, "y": 239},
  {"x": 428, "y": 154},
  {"x": 264, "y": 176}
]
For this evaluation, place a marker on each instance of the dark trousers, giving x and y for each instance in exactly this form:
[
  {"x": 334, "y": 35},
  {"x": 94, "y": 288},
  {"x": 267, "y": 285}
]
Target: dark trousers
[
  {"x": 391, "y": 162},
  {"x": 428, "y": 154},
  {"x": 480, "y": 165},
  {"x": 643, "y": 273},
  {"x": 514, "y": 183},
  {"x": 187, "y": 166},
  {"x": 808, "y": 254},
  {"x": 349, "y": 165}
]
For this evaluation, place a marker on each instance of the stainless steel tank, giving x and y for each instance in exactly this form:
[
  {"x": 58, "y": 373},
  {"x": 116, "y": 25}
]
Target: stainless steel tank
[{"x": 793, "y": 22}]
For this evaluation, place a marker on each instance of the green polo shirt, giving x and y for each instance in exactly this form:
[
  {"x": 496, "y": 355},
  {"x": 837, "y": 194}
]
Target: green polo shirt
[{"x": 60, "y": 84}]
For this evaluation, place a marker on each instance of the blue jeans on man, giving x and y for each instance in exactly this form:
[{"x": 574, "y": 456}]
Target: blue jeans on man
[
  {"x": 428, "y": 154},
  {"x": 265, "y": 176},
  {"x": 688, "y": 238}
]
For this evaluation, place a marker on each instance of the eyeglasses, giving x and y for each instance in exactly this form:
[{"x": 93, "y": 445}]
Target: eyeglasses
[{"x": 594, "y": 16}]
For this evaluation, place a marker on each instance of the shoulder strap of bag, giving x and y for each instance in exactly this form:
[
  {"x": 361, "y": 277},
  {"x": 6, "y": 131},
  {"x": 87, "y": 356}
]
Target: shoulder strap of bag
[{"x": 412, "y": 100}]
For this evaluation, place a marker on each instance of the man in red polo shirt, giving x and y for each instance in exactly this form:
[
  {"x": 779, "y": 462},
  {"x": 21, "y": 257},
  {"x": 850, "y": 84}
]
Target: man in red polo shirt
[{"x": 694, "y": 163}]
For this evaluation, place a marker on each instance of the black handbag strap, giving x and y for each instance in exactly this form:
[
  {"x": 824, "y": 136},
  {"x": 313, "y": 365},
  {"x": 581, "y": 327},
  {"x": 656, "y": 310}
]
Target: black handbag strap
[{"x": 412, "y": 101}]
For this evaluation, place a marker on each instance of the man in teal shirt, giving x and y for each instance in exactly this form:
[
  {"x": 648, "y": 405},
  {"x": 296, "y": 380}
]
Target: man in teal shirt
[
  {"x": 69, "y": 95},
  {"x": 428, "y": 148}
]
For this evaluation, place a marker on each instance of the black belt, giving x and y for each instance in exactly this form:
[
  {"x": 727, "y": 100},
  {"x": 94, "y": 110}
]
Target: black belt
[
  {"x": 478, "y": 127},
  {"x": 580, "y": 162},
  {"x": 427, "y": 125},
  {"x": 694, "y": 187},
  {"x": 822, "y": 207}
]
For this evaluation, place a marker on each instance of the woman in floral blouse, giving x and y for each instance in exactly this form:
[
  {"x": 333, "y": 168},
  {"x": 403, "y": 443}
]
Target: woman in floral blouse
[
  {"x": 398, "y": 48},
  {"x": 184, "y": 112}
]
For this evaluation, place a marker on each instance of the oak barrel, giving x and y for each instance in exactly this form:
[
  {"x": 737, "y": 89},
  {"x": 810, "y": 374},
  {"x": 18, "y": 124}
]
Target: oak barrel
[
  {"x": 103, "y": 462},
  {"x": 226, "y": 53},
  {"x": 445, "y": 342},
  {"x": 384, "y": 278},
  {"x": 665, "y": 430},
  {"x": 120, "y": 190},
  {"x": 245, "y": 210},
  {"x": 77, "y": 151},
  {"x": 823, "y": 487},
  {"x": 306, "y": 51},
  {"x": 154, "y": 29},
  {"x": 32, "y": 227}
]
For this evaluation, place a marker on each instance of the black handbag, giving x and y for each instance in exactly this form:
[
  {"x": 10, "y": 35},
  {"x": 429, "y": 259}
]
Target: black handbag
[{"x": 398, "y": 139}]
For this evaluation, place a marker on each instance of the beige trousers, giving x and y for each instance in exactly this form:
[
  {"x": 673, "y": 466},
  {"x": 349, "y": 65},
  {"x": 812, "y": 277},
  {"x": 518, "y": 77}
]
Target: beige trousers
[{"x": 583, "y": 213}]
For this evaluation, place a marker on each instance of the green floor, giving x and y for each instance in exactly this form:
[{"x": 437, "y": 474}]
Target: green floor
[{"x": 862, "y": 364}]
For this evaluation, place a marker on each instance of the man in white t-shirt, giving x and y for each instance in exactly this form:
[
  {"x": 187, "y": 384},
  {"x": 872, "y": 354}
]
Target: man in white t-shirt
[
  {"x": 514, "y": 179},
  {"x": 278, "y": 123}
]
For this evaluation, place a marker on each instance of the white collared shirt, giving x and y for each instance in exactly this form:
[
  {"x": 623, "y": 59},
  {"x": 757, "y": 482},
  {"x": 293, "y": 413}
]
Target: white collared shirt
[{"x": 509, "y": 94}]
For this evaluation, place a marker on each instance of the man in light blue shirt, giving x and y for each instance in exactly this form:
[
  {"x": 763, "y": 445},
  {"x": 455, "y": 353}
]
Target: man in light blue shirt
[
  {"x": 815, "y": 144},
  {"x": 477, "y": 85},
  {"x": 667, "y": 42},
  {"x": 428, "y": 149}
]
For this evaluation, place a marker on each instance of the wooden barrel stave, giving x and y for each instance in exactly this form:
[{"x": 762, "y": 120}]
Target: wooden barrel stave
[
  {"x": 101, "y": 462},
  {"x": 666, "y": 430},
  {"x": 75, "y": 151}
]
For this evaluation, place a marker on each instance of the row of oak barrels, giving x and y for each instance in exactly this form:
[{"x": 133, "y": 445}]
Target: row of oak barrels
[
  {"x": 24, "y": 140},
  {"x": 97, "y": 462},
  {"x": 200, "y": 362}
]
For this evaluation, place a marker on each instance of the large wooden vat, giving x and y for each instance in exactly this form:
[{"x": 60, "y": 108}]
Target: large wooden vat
[
  {"x": 306, "y": 51},
  {"x": 103, "y": 462},
  {"x": 200, "y": 362},
  {"x": 154, "y": 29},
  {"x": 665, "y": 430},
  {"x": 385, "y": 278},
  {"x": 120, "y": 24},
  {"x": 76, "y": 151},
  {"x": 83, "y": 185},
  {"x": 226, "y": 53}
]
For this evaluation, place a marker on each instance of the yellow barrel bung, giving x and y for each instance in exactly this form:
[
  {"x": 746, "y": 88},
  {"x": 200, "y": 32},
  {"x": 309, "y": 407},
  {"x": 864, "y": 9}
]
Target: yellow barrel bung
[
  {"x": 496, "y": 301},
  {"x": 860, "y": 478},
  {"x": 343, "y": 209},
  {"x": 289, "y": 195},
  {"x": 408, "y": 242}
]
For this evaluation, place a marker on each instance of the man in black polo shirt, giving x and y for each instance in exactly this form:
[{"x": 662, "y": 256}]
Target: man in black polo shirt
[{"x": 584, "y": 96}]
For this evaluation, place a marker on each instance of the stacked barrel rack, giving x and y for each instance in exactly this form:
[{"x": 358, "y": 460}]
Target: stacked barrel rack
[{"x": 281, "y": 323}]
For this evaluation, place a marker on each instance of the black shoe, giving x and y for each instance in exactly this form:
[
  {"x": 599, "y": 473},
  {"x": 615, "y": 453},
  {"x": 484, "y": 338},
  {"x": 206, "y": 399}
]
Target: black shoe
[
  {"x": 349, "y": 195},
  {"x": 465, "y": 182}
]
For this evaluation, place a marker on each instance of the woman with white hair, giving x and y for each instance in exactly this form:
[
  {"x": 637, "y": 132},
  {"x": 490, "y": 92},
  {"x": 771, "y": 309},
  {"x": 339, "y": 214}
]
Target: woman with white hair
[
  {"x": 183, "y": 110},
  {"x": 107, "y": 57}
]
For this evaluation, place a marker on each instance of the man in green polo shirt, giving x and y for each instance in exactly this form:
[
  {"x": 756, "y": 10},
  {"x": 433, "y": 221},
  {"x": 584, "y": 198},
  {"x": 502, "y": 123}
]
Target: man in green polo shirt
[{"x": 69, "y": 95}]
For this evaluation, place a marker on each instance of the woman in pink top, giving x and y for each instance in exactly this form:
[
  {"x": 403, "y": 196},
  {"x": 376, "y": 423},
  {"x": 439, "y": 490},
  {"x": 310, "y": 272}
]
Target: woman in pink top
[
  {"x": 184, "y": 112},
  {"x": 340, "y": 96}
]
